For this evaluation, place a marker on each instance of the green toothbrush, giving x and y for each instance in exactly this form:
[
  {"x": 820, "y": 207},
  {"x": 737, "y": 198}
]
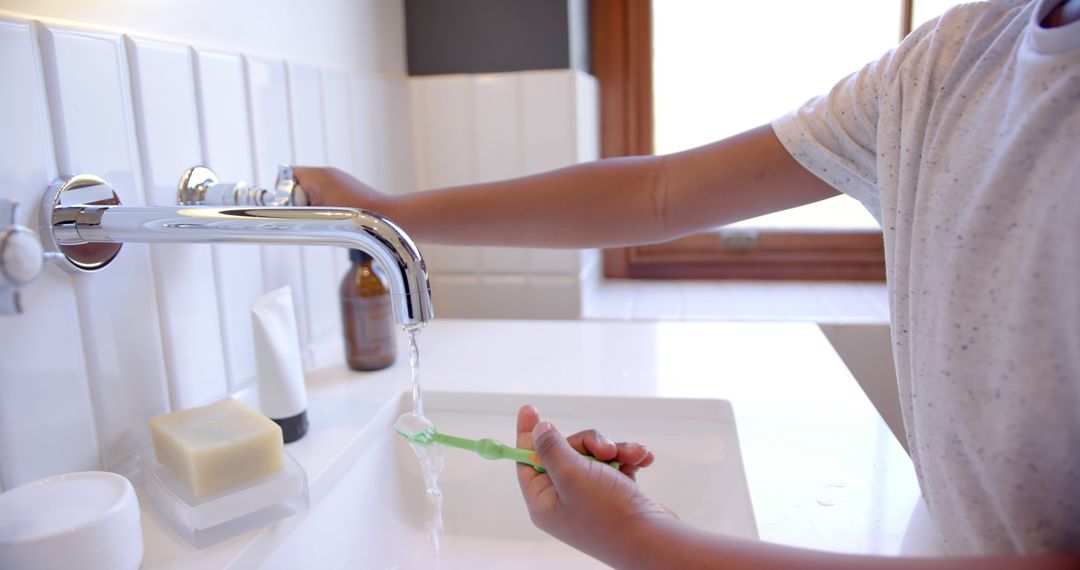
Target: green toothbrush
[{"x": 418, "y": 429}]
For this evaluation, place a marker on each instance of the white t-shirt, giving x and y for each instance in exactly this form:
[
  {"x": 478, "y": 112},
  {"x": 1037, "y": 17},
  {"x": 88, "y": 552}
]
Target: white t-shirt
[{"x": 964, "y": 142}]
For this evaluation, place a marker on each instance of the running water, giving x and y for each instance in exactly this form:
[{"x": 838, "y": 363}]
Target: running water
[
  {"x": 430, "y": 455},
  {"x": 414, "y": 364}
]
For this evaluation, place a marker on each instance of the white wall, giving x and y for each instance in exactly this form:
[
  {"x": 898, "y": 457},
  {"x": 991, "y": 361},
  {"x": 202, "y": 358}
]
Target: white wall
[
  {"x": 136, "y": 92},
  {"x": 360, "y": 35},
  {"x": 484, "y": 127}
]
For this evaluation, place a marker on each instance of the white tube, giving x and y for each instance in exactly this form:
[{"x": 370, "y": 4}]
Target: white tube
[{"x": 282, "y": 394}]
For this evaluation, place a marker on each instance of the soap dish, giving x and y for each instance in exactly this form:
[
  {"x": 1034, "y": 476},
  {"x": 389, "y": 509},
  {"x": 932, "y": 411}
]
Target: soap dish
[{"x": 209, "y": 520}]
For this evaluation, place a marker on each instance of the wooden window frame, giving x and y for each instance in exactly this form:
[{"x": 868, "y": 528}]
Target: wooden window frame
[{"x": 621, "y": 47}]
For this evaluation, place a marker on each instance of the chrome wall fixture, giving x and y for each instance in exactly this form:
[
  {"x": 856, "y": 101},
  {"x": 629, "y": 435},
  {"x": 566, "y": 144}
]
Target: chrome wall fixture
[
  {"x": 199, "y": 186},
  {"x": 83, "y": 221},
  {"x": 21, "y": 258}
]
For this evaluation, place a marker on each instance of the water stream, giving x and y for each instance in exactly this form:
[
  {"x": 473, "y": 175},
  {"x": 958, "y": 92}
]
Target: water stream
[{"x": 430, "y": 455}]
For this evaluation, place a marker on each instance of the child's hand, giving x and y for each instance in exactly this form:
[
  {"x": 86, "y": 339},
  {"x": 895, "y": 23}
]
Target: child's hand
[
  {"x": 332, "y": 187},
  {"x": 583, "y": 503}
]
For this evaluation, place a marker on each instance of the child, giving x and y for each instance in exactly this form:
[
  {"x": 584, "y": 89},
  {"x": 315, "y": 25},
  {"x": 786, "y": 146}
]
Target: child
[{"x": 963, "y": 143}]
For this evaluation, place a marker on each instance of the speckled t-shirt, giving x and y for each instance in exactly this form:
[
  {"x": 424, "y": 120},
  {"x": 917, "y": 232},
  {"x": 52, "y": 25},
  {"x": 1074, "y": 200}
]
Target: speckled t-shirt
[{"x": 964, "y": 142}]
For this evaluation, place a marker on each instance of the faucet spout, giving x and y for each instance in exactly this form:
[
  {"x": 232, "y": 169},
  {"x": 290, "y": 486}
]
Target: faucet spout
[{"x": 83, "y": 219}]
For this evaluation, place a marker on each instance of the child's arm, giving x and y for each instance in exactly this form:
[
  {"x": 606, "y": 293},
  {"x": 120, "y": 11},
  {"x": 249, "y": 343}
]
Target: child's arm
[
  {"x": 605, "y": 515},
  {"x": 608, "y": 202}
]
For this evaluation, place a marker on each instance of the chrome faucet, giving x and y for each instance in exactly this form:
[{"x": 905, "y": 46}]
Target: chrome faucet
[{"x": 87, "y": 225}]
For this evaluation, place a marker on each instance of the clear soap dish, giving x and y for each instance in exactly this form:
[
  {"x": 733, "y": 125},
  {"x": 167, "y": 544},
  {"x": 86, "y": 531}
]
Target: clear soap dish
[{"x": 209, "y": 520}]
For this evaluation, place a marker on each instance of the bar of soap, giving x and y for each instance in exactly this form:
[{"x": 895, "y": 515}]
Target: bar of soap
[{"x": 214, "y": 448}]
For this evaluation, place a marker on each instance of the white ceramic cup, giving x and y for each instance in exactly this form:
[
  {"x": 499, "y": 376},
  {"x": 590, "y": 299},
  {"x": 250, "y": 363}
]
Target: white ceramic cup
[{"x": 87, "y": 520}]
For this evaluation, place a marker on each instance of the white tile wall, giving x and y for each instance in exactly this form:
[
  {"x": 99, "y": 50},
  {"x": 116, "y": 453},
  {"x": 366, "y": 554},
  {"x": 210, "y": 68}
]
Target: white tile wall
[
  {"x": 339, "y": 120},
  {"x": 445, "y": 114},
  {"x": 168, "y": 132},
  {"x": 46, "y": 415},
  {"x": 455, "y": 294},
  {"x": 451, "y": 260},
  {"x": 363, "y": 93},
  {"x": 162, "y": 327},
  {"x": 547, "y": 295},
  {"x": 478, "y": 128},
  {"x": 497, "y": 126},
  {"x": 549, "y": 106},
  {"x": 397, "y": 135},
  {"x": 238, "y": 270},
  {"x": 271, "y": 133},
  {"x": 318, "y": 273},
  {"x": 587, "y": 116},
  {"x": 340, "y": 147},
  {"x": 90, "y": 103},
  {"x": 500, "y": 295}
]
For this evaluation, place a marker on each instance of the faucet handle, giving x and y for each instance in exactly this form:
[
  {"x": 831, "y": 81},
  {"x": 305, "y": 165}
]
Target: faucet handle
[
  {"x": 287, "y": 191},
  {"x": 199, "y": 186},
  {"x": 21, "y": 257}
]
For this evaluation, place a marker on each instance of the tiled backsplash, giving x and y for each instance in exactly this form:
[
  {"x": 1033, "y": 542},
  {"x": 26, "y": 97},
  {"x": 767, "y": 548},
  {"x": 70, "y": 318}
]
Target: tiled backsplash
[
  {"x": 166, "y": 327},
  {"x": 478, "y": 128}
]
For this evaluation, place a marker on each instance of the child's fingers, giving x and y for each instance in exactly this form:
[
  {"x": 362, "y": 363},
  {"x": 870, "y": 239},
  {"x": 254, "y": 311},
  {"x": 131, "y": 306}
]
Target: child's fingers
[
  {"x": 527, "y": 419},
  {"x": 649, "y": 458},
  {"x": 633, "y": 453},
  {"x": 536, "y": 488},
  {"x": 592, "y": 442},
  {"x": 564, "y": 464},
  {"x": 637, "y": 457},
  {"x": 630, "y": 471}
]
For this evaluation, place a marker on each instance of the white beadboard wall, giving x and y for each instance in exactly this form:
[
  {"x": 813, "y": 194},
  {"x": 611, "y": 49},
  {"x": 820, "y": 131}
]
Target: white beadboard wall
[
  {"x": 166, "y": 327},
  {"x": 483, "y": 127}
]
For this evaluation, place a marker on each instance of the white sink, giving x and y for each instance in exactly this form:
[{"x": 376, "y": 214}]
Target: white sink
[{"x": 376, "y": 515}]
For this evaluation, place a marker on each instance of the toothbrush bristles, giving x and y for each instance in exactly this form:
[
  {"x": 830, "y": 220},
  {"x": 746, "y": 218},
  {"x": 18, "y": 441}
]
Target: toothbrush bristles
[{"x": 415, "y": 428}]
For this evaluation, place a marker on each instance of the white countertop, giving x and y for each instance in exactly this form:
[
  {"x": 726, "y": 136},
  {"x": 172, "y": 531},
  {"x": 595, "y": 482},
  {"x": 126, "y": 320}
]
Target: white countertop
[{"x": 823, "y": 468}]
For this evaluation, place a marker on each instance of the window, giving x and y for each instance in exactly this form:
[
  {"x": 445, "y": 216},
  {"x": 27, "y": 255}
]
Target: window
[{"x": 681, "y": 73}]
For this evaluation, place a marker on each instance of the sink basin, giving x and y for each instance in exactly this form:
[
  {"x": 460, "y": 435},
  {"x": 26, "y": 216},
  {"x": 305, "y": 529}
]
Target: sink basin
[{"x": 376, "y": 515}]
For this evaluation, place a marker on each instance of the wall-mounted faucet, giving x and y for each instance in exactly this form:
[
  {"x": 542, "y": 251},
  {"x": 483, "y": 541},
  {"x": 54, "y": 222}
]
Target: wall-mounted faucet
[{"x": 83, "y": 220}]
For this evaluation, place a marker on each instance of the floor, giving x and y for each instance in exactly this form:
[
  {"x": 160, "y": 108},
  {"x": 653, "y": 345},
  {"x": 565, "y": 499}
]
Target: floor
[{"x": 821, "y": 302}]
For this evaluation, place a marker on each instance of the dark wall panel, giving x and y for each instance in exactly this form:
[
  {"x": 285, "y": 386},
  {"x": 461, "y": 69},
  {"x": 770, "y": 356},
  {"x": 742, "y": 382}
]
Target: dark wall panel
[{"x": 482, "y": 36}]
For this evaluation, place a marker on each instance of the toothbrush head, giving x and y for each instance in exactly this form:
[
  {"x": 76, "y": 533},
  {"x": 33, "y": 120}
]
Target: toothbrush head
[{"x": 415, "y": 428}]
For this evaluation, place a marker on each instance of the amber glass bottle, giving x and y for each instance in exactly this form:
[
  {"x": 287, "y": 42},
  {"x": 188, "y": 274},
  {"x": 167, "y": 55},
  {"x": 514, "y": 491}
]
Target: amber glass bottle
[{"x": 367, "y": 315}]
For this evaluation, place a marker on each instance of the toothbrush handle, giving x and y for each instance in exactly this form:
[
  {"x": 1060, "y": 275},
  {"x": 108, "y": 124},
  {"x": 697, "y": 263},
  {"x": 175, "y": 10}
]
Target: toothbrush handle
[
  {"x": 529, "y": 457},
  {"x": 458, "y": 442},
  {"x": 491, "y": 449},
  {"x": 526, "y": 456}
]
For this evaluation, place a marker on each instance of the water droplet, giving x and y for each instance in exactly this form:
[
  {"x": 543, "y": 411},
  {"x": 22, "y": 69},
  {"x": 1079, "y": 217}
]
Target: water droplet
[{"x": 831, "y": 494}]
